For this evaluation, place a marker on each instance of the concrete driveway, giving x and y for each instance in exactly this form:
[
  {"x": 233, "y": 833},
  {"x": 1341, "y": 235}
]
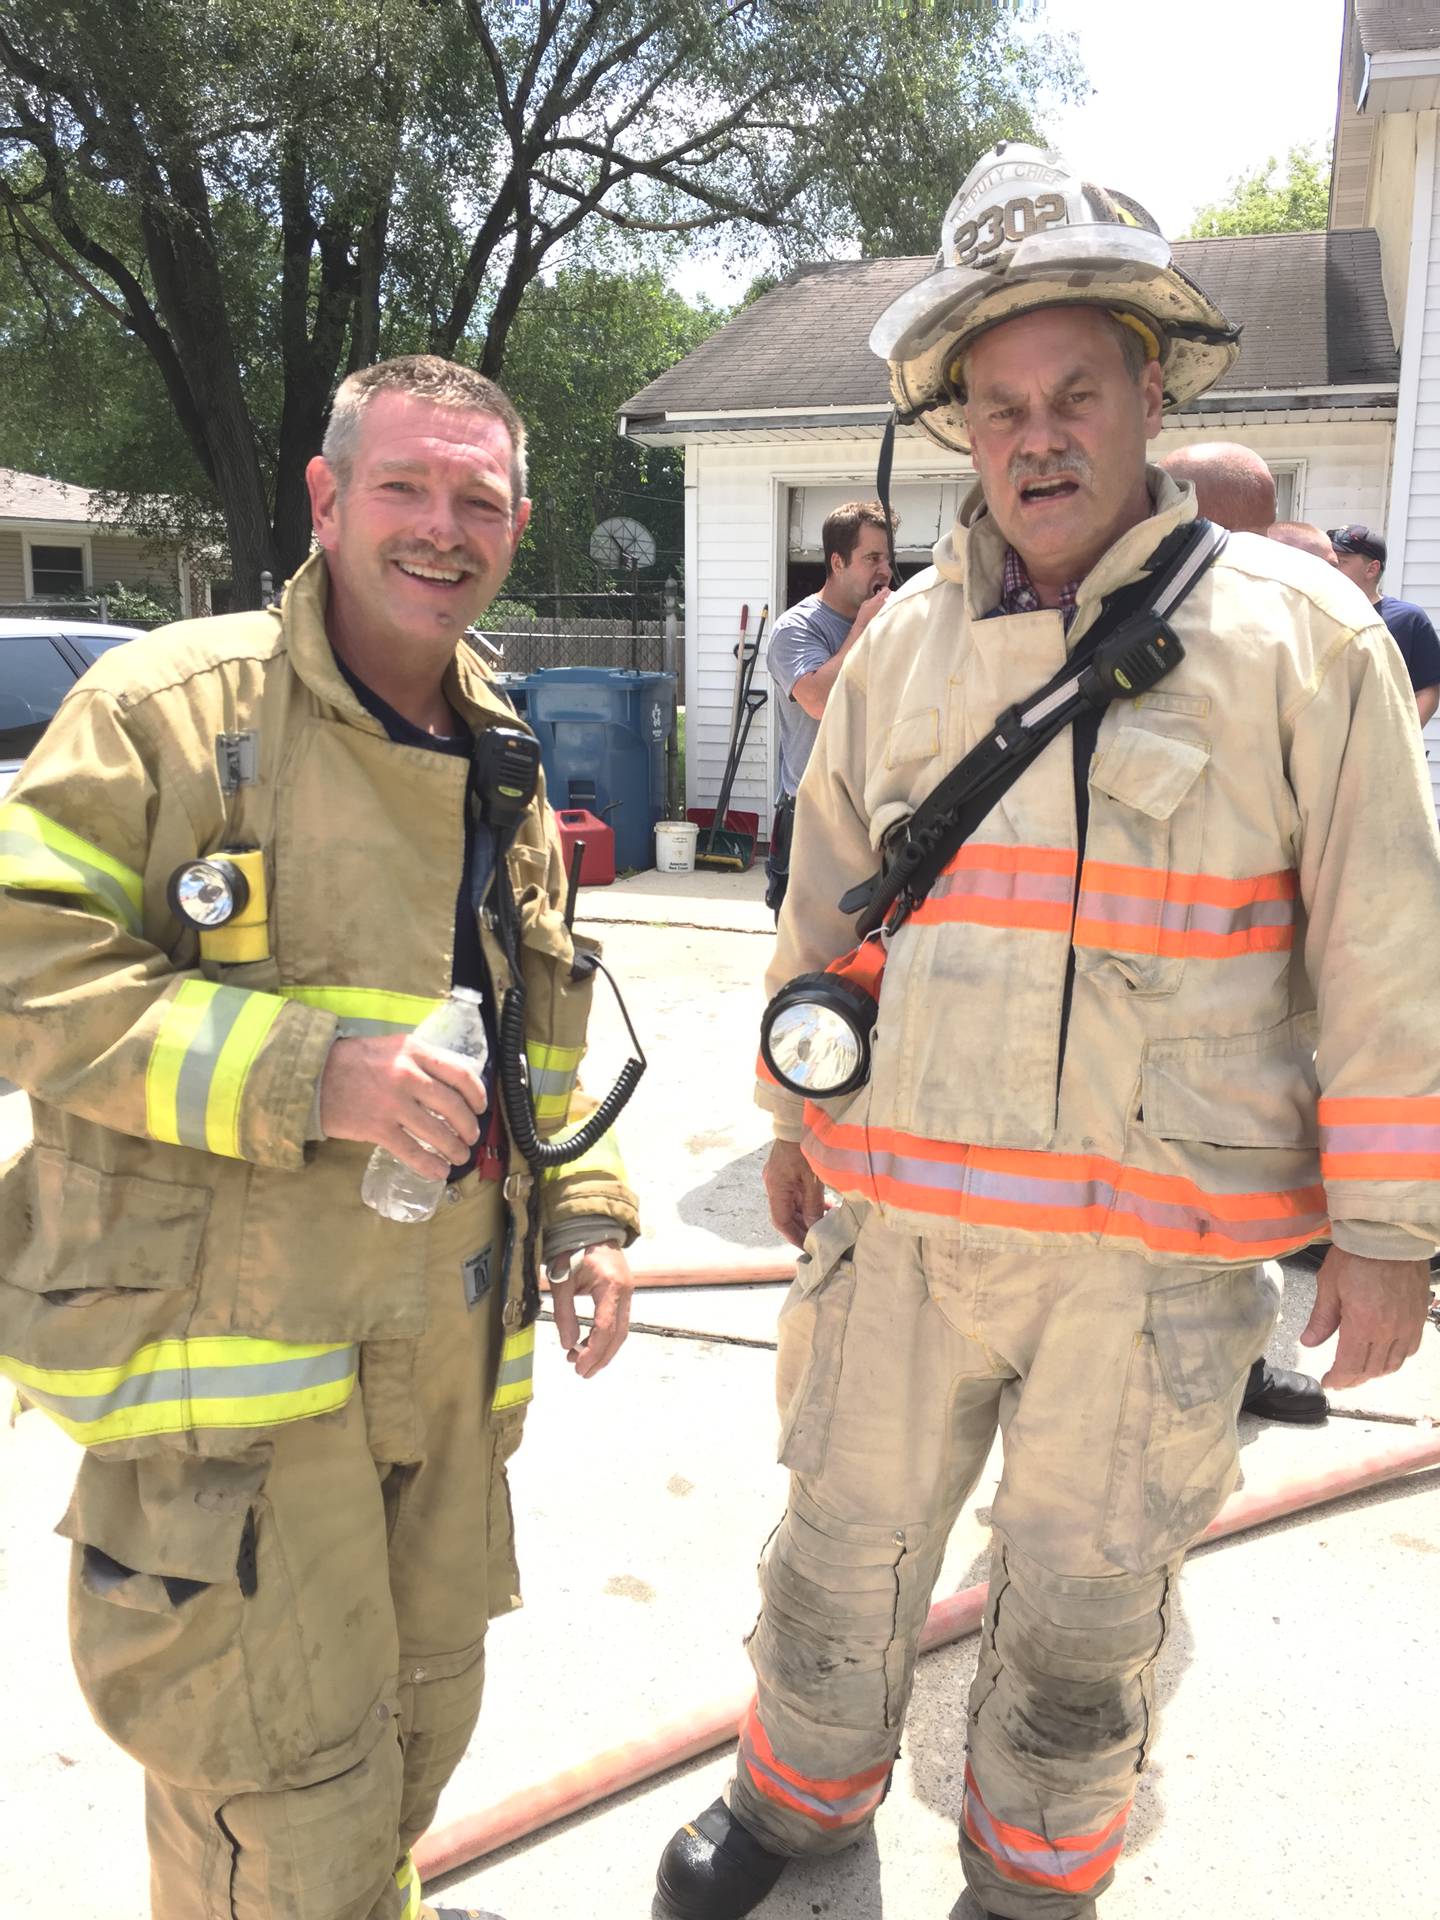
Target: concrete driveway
[{"x": 1295, "y": 1773}]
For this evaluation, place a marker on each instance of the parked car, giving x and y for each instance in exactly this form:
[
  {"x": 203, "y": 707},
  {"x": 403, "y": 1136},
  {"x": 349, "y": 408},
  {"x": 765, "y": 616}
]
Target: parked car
[{"x": 40, "y": 660}]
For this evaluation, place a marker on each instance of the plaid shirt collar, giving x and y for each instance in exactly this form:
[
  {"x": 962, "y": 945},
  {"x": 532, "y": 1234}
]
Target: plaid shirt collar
[{"x": 1018, "y": 594}]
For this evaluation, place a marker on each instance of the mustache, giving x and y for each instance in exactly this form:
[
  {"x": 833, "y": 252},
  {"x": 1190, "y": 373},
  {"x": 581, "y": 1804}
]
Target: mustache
[
  {"x": 451, "y": 562},
  {"x": 1025, "y": 467}
]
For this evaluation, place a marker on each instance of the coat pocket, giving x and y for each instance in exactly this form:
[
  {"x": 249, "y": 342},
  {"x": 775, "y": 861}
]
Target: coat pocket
[
  {"x": 1142, "y": 844},
  {"x": 93, "y": 1232},
  {"x": 811, "y": 1337},
  {"x": 102, "y": 1264},
  {"x": 1176, "y": 1453},
  {"x": 1242, "y": 1090}
]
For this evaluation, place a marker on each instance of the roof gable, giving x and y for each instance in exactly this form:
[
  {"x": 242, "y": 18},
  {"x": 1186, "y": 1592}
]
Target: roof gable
[
  {"x": 30, "y": 496},
  {"x": 1312, "y": 306}
]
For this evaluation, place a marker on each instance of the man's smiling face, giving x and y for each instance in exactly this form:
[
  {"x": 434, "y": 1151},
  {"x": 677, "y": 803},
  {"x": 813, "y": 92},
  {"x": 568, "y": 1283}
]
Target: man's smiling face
[
  {"x": 419, "y": 534},
  {"x": 1058, "y": 424}
]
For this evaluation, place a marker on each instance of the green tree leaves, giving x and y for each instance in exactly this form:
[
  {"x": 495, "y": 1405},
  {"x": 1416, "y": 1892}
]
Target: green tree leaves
[{"x": 1297, "y": 201}]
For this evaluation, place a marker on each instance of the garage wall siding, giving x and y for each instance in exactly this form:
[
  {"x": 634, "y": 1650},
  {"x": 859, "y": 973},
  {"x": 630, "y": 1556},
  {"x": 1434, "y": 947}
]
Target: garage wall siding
[{"x": 739, "y": 501}]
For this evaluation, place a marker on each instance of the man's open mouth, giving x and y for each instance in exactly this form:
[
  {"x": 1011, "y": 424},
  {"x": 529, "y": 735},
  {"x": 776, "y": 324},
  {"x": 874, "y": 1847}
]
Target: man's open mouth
[
  {"x": 1038, "y": 491},
  {"x": 446, "y": 576}
]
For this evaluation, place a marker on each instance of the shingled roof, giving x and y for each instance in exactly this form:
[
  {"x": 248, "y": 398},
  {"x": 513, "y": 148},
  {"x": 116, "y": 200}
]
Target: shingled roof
[
  {"x": 1398, "y": 26},
  {"x": 1312, "y": 306},
  {"x": 30, "y": 496}
]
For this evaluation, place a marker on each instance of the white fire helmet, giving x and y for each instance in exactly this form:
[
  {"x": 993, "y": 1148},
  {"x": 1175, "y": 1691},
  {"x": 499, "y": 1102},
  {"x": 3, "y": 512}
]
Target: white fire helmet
[{"x": 1025, "y": 232}]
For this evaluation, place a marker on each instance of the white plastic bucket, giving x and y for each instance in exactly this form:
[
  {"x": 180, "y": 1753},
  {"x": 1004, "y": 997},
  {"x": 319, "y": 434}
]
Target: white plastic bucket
[{"x": 675, "y": 845}]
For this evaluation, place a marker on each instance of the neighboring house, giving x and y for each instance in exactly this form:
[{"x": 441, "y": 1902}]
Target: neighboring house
[
  {"x": 1386, "y": 175},
  {"x": 56, "y": 548},
  {"x": 781, "y": 412}
]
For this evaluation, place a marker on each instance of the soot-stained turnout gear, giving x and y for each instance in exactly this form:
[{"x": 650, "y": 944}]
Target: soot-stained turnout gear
[
  {"x": 1114, "y": 1071},
  {"x": 1242, "y": 941},
  {"x": 192, "y": 1287}
]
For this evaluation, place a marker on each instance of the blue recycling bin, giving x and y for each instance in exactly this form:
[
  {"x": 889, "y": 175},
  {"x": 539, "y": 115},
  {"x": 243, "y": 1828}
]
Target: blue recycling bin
[{"x": 602, "y": 733}]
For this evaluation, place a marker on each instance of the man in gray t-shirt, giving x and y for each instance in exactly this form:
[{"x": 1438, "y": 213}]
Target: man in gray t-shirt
[{"x": 808, "y": 645}]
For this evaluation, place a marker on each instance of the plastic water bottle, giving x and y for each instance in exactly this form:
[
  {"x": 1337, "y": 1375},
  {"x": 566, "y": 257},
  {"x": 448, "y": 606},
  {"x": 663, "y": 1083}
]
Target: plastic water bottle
[{"x": 389, "y": 1186}]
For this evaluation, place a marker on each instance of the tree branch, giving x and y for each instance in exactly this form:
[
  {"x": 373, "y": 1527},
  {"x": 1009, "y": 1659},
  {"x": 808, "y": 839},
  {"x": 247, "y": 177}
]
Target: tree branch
[{"x": 21, "y": 223}]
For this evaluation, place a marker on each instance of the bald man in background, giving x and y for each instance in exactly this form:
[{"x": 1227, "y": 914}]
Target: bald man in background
[
  {"x": 1299, "y": 533},
  {"x": 1234, "y": 488},
  {"x": 1233, "y": 485}
]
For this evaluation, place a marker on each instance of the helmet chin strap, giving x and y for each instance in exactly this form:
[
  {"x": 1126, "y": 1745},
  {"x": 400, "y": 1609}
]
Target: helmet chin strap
[{"x": 886, "y": 462}]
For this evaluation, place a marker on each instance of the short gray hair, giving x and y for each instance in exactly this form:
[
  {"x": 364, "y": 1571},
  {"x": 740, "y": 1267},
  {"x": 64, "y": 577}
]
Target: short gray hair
[{"x": 427, "y": 377}]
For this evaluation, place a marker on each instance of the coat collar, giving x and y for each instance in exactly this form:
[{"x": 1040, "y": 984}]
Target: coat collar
[{"x": 972, "y": 554}]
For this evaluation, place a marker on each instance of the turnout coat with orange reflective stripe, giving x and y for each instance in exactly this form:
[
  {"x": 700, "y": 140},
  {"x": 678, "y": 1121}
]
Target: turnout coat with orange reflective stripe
[
  {"x": 178, "y": 1259},
  {"x": 1252, "y": 1051}
]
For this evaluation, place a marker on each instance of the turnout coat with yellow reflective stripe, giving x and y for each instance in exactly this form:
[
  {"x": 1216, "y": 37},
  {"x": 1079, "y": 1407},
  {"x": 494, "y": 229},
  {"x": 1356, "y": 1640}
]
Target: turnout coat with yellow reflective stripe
[
  {"x": 176, "y": 1261},
  {"x": 1253, "y": 1042}
]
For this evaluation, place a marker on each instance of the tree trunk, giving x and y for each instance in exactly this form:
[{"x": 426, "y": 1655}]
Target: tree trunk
[{"x": 190, "y": 296}]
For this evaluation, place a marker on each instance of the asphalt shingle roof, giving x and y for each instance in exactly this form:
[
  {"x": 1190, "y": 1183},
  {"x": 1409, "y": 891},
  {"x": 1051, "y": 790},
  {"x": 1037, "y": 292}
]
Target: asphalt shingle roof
[
  {"x": 29, "y": 496},
  {"x": 1398, "y": 26},
  {"x": 1312, "y": 304}
]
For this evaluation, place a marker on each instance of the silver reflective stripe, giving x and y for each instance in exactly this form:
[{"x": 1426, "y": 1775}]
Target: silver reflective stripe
[
  {"x": 190, "y": 1383},
  {"x": 999, "y": 884},
  {"x": 515, "y": 1370},
  {"x": 197, "y": 1070},
  {"x": 103, "y": 887},
  {"x": 1124, "y": 909},
  {"x": 1055, "y": 1863},
  {"x": 853, "y": 1808},
  {"x": 1386, "y": 1137},
  {"x": 545, "y": 1080}
]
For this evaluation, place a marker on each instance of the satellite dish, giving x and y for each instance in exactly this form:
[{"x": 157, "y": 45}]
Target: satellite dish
[{"x": 622, "y": 543}]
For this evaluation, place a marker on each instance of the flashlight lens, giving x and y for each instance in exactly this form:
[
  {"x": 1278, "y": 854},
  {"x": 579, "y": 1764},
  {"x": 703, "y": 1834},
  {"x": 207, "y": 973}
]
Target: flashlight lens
[
  {"x": 204, "y": 895},
  {"x": 815, "y": 1049}
]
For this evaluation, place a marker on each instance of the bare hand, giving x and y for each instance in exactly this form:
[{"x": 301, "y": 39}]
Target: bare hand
[
  {"x": 604, "y": 1273},
  {"x": 796, "y": 1196},
  {"x": 868, "y": 610},
  {"x": 418, "y": 1103},
  {"x": 1379, "y": 1307}
]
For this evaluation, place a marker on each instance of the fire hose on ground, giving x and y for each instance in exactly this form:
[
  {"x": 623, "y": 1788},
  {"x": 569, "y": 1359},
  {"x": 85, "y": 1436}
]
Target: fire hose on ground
[{"x": 714, "y": 1724}]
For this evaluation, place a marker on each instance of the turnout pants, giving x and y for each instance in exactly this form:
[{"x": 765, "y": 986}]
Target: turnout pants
[
  {"x": 1115, "y": 1384},
  {"x": 291, "y": 1641}
]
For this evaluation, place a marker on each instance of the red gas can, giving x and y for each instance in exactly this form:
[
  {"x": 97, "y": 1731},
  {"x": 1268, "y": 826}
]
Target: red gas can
[{"x": 597, "y": 864}]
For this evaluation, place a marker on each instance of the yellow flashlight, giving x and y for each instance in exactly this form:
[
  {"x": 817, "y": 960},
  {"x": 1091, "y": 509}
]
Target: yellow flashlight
[{"x": 223, "y": 897}]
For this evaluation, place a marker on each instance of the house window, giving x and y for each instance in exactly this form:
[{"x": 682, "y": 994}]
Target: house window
[
  {"x": 1289, "y": 488},
  {"x": 56, "y": 573}
]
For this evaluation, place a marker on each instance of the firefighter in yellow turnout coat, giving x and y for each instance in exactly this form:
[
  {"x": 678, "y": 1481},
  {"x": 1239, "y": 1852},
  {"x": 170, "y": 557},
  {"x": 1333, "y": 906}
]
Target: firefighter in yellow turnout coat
[
  {"x": 1165, "y": 1014},
  {"x": 291, "y": 1521}
]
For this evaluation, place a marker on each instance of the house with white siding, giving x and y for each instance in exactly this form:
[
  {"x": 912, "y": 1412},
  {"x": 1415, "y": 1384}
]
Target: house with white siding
[
  {"x": 57, "y": 547},
  {"x": 780, "y": 414}
]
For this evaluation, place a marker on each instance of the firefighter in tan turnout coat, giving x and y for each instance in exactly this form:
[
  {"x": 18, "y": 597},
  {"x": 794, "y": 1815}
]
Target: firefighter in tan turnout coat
[
  {"x": 291, "y": 1520},
  {"x": 1167, "y": 1013}
]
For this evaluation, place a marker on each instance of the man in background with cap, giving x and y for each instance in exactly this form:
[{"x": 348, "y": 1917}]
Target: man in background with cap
[
  {"x": 1090, "y": 1112},
  {"x": 1360, "y": 555}
]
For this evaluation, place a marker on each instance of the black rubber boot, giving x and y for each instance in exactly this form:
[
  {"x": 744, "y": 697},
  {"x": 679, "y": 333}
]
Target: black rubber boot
[
  {"x": 1274, "y": 1393},
  {"x": 715, "y": 1869}
]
